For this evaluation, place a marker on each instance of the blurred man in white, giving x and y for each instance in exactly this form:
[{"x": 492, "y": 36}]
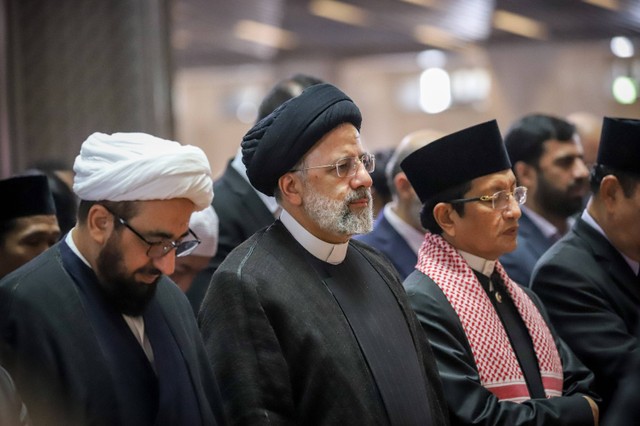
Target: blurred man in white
[{"x": 204, "y": 224}]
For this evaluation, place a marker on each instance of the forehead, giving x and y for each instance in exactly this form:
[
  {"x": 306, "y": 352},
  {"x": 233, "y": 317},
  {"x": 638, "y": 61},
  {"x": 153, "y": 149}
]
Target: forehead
[
  {"x": 557, "y": 148},
  {"x": 498, "y": 181},
  {"x": 27, "y": 222},
  {"x": 342, "y": 141}
]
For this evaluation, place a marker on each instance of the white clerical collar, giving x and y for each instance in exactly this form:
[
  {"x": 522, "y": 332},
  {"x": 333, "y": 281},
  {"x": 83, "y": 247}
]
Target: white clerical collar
[
  {"x": 327, "y": 252},
  {"x": 635, "y": 266},
  {"x": 477, "y": 263},
  {"x": 74, "y": 248},
  {"x": 411, "y": 235},
  {"x": 239, "y": 167}
]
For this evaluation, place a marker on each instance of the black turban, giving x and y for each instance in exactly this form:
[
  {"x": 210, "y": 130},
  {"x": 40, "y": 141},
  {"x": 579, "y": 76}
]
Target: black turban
[
  {"x": 25, "y": 196},
  {"x": 620, "y": 144},
  {"x": 278, "y": 141},
  {"x": 455, "y": 159}
]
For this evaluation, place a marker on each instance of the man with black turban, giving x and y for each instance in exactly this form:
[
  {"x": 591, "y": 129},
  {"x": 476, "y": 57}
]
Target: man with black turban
[
  {"x": 302, "y": 324},
  {"x": 92, "y": 331}
]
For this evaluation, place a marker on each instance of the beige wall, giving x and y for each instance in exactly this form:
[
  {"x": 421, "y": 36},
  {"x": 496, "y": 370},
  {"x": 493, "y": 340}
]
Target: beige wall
[{"x": 554, "y": 79}]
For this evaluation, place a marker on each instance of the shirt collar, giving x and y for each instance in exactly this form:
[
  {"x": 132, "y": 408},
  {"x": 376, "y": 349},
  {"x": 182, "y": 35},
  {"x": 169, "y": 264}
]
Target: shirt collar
[
  {"x": 239, "y": 167},
  {"x": 635, "y": 266},
  {"x": 327, "y": 252},
  {"x": 477, "y": 263},
  {"x": 411, "y": 235},
  {"x": 547, "y": 229},
  {"x": 74, "y": 248}
]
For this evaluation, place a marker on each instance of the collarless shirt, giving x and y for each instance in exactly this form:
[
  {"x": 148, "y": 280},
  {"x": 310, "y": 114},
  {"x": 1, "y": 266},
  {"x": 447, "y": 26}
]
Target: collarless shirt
[
  {"x": 412, "y": 236},
  {"x": 327, "y": 252}
]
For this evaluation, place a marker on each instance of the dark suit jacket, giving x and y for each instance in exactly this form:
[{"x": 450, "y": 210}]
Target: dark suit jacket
[
  {"x": 531, "y": 245},
  {"x": 593, "y": 298},
  {"x": 471, "y": 403},
  {"x": 49, "y": 346},
  {"x": 282, "y": 347},
  {"x": 386, "y": 239},
  {"x": 241, "y": 213}
]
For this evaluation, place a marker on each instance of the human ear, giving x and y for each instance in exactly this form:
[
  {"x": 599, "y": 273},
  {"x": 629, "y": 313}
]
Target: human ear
[
  {"x": 443, "y": 214},
  {"x": 290, "y": 188},
  {"x": 99, "y": 223}
]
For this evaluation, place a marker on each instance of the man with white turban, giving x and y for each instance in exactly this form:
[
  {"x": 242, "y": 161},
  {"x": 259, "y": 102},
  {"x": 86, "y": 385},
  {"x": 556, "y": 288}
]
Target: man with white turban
[{"x": 93, "y": 332}]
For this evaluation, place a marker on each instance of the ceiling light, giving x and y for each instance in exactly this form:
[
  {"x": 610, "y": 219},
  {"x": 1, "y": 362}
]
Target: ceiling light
[
  {"x": 264, "y": 34},
  {"x": 520, "y": 25},
  {"x": 339, "y": 11},
  {"x": 625, "y": 90},
  {"x": 622, "y": 47},
  {"x": 435, "y": 90}
]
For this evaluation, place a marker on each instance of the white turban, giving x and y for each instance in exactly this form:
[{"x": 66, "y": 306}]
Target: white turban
[
  {"x": 205, "y": 225},
  {"x": 137, "y": 166}
]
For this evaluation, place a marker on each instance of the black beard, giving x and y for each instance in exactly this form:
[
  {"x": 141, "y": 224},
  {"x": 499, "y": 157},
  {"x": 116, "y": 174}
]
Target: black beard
[
  {"x": 122, "y": 292},
  {"x": 558, "y": 202}
]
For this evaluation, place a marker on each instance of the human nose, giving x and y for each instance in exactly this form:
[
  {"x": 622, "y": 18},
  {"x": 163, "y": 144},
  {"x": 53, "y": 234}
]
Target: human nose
[
  {"x": 167, "y": 263},
  {"x": 512, "y": 209},
  {"x": 361, "y": 177},
  {"x": 580, "y": 169}
]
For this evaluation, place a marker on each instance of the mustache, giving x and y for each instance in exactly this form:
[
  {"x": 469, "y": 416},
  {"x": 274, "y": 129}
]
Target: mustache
[
  {"x": 359, "y": 194},
  {"x": 150, "y": 270}
]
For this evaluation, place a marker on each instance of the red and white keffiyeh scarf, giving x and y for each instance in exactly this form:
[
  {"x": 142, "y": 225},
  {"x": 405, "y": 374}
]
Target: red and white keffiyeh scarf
[{"x": 494, "y": 356}]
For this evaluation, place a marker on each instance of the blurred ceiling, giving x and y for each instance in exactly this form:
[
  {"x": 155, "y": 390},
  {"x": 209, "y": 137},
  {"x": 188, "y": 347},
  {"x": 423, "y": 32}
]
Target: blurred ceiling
[{"x": 233, "y": 32}]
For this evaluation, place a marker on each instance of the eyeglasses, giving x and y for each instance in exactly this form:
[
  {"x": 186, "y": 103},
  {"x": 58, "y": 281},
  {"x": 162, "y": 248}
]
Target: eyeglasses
[
  {"x": 348, "y": 166},
  {"x": 499, "y": 200},
  {"x": 161, "y": 248}
]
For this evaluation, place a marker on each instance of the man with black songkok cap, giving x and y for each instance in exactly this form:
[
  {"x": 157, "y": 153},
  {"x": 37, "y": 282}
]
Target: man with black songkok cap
[
  {"x": 302, "y": 324},
  {"x": 590, "y": 281},
  {"x": 92, "y": 331},
  {"x": 499, "y": 360},
  {"x": 28, "y": 224}
]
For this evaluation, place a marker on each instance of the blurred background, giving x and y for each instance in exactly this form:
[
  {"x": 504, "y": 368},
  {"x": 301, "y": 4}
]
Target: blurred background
[{"x": 195, "y": 71}]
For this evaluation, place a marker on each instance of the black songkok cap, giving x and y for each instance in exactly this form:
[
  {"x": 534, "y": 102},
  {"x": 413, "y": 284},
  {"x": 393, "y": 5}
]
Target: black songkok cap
[
  {"x": 278, "y": 141},
  {"x": 620, "y": 144},
  {"x": 25, "y": 196},
  {"x": 455, "y": 159}
]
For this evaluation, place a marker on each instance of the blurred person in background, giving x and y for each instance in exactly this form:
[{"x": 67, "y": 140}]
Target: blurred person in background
[
  {"x": 547, "y": 159},
  {"x": 589, "y": 127},
  {"x": 28, "y": 224},
  {"x": 397, "y": 231},
  {"x": 204, "y": 225},
  {"x": 380, "y": 189}
]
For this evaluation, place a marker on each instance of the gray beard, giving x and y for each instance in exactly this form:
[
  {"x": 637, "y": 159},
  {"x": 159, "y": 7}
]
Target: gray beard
[{"x": 335, "y": 216}]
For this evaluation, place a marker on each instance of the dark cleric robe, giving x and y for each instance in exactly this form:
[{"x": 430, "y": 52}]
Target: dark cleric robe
[
  {"x": 296, "y": 340},
  {"x": 469, "y": 401},
  {"x": 75, "y": 361}
]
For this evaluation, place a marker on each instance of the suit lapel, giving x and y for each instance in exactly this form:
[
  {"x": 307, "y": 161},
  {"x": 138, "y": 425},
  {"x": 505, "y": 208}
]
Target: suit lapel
[{"x": 609, "y": 258}]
